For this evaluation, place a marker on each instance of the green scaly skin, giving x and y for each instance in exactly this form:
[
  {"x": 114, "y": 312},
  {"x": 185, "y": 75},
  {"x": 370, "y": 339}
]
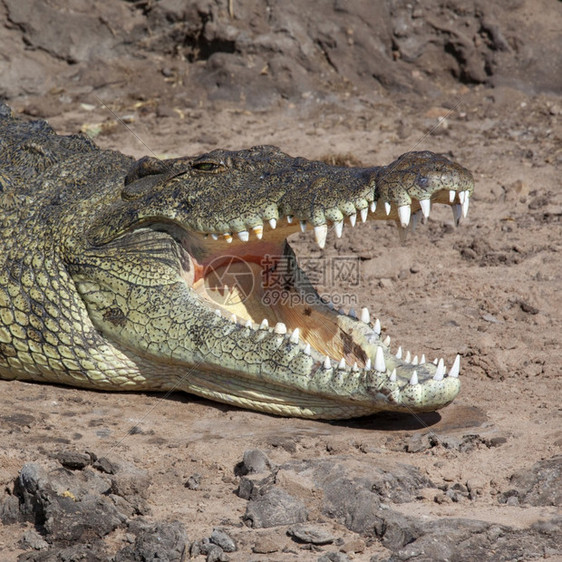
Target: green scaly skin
[{"x": 102, "y": 261}]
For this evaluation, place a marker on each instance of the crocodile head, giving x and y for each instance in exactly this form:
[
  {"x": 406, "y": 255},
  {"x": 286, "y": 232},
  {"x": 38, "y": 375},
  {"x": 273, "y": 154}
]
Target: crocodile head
[{"x": 178, "y": 272}]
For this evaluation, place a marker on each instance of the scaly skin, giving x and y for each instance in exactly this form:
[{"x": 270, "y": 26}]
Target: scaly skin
[{"x": 118, "y": 275}]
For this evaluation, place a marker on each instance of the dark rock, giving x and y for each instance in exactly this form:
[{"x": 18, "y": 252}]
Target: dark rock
[
  {"x": 222, "y": 539},
  {"x": 252, "y": 485},
  {"x": 32, "y": 539},
  {"x": 253, "y": 462},
  {"x": 310, "y": 534},
  {"x": 334, "y": 557},
  {"x": 274, "y": 507},
  {"x": 193, "y": 482},
  {"x": 74, "y": 460}
]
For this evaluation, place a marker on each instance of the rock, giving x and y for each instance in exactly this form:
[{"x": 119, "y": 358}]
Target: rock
[
  {"x": 193, "y": 482},
  {"x": 333, "y": 557},
  {"x": 265, "y": 545},
  {"x": 311, "y": 534},
  {"x": 274, "y": 507},
  {"x": 74, "y": 460},
  {"x": 253, "y": 462},
  {"x": 251, "y": 485},
  {"x": 32, "y": 539},
  {"x": 220, "y": 538}
]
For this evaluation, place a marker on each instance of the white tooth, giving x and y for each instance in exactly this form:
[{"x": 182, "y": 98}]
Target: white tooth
[
  {"x": 320, "y": 233},
  {"x": 387, "y": 207},
  {"x": 264, "y": 324},
  {"x": 414, "y": 379},
  {"x": 373, "y": 206},
  {"x": 365, "y": 316},
  {"x": 386, "y": 341},
  {"x": 422, "y": 360},
  {"x": 353, "y": 219},
  {"x": 327, "y": 363},
  {"x": 425, "y": 205},
  {"x": 289, "y": 219},
  {"x": 355, "y": 368},
  {"x": 302, "y": 225},
  {"x": 364, "y": 213},
  {"x": 408, "y": 357},
  {"x": 452, "y": 195},
  {"x": 295, "y": 336},
  {"x": 215, "y": 236},
  {"x": 399, "y": 353},
  {"x": 465, "y": 206},
  {"x": 273, "y": 223},
  {"x": 379, "y": 360},
  {"x": 404, "y": 212},
  {"x": 306, "y": 349},
  {"x": 280, "y": 328},
  {"x": 393, "y": 376},
  {"x": 461, "y": 197},
  {"x": 258, "y": 231},
  {"x": 248, "y": 323},
  {"x": 455, "y": 369},
  {"x": 234, "y": 319},
  {"x": 352, "y": 313},
  {"x": 218, "y": 312},
  {"x": 440, "y": 371},
  {"x": 338, "y": 227},
  {"x": 244, "y": 235},
  {"x": 368, "y": 364},
  {"x": 435, "y": 361},
  {"x": 341, "y": 311},
  {"x": 377, "y": 327},
  {"x": 415, "y": 360},
  {"x": 228, "y": 237},
  {"x": 341, "y": 364},
  {"x": 457, "y": 213}
]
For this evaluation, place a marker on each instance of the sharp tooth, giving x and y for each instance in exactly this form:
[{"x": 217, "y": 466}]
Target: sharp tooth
[
  {"x": 234, "y": 319},
  {"x": 379, "y": 360},
  {"x": 386, "y": 341},
  {"x": 249, "y": 323},
  {"x": 353, "y": 219},
  {"x": 457, "y": 213},
  {"x": 320, "y": 233},
  {"x": 352, "y": 313},
  {"x": 387, "y": 207},
  {"x": 368, "y": 364},
  {"x": 399, "y": 353},
  {"x": 295, "y": 336},
  {"x": 465, "y": 205},
  {"x": 258, "y": 231},
  {"x": 264, "y": 324},
  {"x": 425, "y": 205},
  {"x": 435, "y": 361},
  {"x": 273, "y": 223},
  {"x": 218, "y": 312},
  {"x": 228, "y": 237},
  {"x": 289, "y": 219},
  {"x": 422, "y": 360},
  {"x": 215, "y": 236},
  {"x": 440, "y": 371},
  {"x": 338, "y": 227},
  {"x": 373, "y": 206},
  {"x": 306, "y": 349},
  {"x": 280, "y": 328},
  {"x": 414, "y": 379},
  {"x": 455, "y": 369},
  {"x": 365, "y": 316},
  {"x": 244, "y": 235},
  {"x": 393, "y": 376},
  {"x": 404, "y": 212},
  {"x": 415, "y": 360},
  {"x": 355, "y": 368},
  {"x": 364, "y": 213},
  {"x": 462, "y": 195},
  {"x": 408, "y": 357},
  {"x": 327, "y": 363},
  {"x": 341, "y": 364},
  {"x": 302, "y": 225},
  {"x": 377, "y": 327},
  {"x": 452, "y": 195}
]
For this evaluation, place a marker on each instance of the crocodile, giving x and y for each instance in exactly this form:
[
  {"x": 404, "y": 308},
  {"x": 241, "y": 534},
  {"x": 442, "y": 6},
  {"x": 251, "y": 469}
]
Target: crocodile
[{"x": 153, "y": 275}]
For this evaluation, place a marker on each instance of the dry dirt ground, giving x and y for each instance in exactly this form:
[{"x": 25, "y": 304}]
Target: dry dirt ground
[{"x": 480, "y": 480}]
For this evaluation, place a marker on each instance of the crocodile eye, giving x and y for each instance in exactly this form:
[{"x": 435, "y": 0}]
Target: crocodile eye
[
  {"x": 205, "y": 166},
  {"x": 422, "y": 181}
]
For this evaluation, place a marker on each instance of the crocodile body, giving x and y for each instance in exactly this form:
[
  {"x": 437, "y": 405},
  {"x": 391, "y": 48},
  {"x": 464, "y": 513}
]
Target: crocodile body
[{"x": 150, "y": 275}]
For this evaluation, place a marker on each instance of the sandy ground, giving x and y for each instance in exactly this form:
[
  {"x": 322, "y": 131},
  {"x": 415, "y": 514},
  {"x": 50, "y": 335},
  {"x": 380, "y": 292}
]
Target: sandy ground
[{"x": 489, "y": 290}]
